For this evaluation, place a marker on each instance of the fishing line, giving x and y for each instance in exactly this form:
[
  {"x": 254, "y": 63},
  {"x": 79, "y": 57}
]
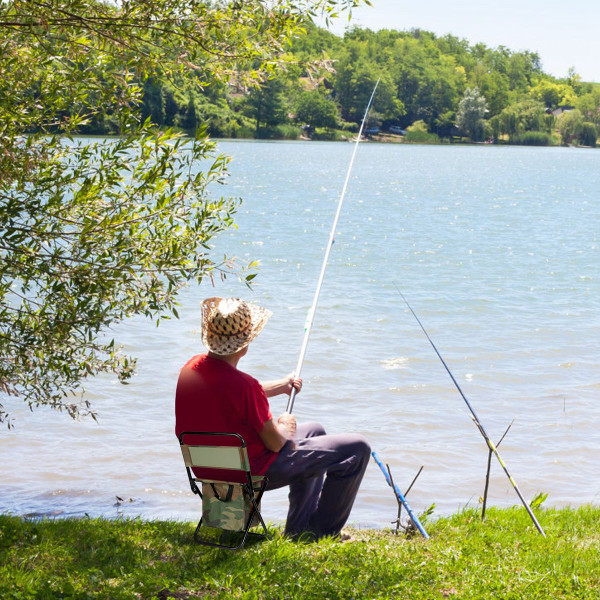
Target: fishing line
[
  {"x": 311, "y": 312},
  {"x": 482, "y": 430}
]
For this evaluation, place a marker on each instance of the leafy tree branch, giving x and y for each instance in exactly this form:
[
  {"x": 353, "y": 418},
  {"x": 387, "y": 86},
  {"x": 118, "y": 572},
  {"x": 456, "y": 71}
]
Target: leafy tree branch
[{"x": 96, "y": 231}]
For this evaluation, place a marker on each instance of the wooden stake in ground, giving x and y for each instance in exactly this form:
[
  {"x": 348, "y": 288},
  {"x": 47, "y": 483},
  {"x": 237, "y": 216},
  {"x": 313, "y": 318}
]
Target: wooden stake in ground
[
  {"x": 487, "y": 474},
  {"x": 397, "y": 521},
  {"x": 400, "y": 497}
]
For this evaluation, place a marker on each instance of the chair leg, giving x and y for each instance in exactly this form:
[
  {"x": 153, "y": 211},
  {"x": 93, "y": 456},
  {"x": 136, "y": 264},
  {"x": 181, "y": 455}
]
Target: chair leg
[
  {"x": 246, "y": 533},
  {"x": 245, "y": 536},
  {"x": 196, "y": 539},
  {"x": 255, "y": 511}
]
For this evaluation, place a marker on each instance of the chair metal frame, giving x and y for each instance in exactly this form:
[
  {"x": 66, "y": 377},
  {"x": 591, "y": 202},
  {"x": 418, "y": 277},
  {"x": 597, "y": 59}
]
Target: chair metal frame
[{"x": 253, "y": 485}]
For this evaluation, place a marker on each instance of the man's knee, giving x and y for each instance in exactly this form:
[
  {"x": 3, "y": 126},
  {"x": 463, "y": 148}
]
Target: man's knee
[
  {"x": 356, "y": 447},
  {"x": 311, "y": 429},
  {"x": 352, "y": 453},
  {"x": 362, "y": 447}
]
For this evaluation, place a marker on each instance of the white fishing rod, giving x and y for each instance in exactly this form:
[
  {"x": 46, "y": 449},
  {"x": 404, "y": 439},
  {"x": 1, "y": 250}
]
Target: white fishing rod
[{"x": 311, "y": 312}]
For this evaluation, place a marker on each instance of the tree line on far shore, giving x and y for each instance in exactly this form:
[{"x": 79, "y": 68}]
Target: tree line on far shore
[{"x": 432, "y": 89}]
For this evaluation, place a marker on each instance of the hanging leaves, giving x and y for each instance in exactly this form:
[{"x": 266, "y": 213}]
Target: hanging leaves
[{"x": 93, "y": 231}]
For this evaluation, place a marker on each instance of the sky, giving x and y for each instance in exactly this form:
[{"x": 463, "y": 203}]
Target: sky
[{"x": 564, "y": 34}]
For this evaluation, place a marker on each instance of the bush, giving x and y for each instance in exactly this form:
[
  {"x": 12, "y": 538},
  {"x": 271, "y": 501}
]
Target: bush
[
  {"x": 289, "y": 132},
  {"x": 532, "y": 138},
  {"x": 239, "y": 127},
  {"x": 421, "y": 137},
  {"x": 588, "y": 135},
  {"x": 569, "y": 125},
  {"x": 329, "y": 135},
  {"x": 316, "y": 110},
  {"x": 420, "y": 126},
  {"x": 349, "y": 126},
  {"x": 280, "y": 132},
  {"x": 220, "y": 120},
  {"x": 243, "y": 132},
  {"x": 418, "y": 133}
]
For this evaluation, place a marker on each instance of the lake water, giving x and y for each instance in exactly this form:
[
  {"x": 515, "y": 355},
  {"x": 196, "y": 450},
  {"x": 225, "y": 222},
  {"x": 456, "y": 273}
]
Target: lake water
[{"x": 496, "y": 248}]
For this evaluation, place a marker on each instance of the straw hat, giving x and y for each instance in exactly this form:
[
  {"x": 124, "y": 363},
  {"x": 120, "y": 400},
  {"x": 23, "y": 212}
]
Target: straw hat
[{"x": 230, "y": 324}]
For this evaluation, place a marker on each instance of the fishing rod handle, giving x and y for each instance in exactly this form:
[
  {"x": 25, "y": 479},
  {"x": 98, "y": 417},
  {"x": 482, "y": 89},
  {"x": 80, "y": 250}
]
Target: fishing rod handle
[{"x": 290, "y": 404}]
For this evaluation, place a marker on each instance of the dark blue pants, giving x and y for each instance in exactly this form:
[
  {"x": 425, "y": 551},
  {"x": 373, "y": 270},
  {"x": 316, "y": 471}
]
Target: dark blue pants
[{"x": 324, "y": 473}]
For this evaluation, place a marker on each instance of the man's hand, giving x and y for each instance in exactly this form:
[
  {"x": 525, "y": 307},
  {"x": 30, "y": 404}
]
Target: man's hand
[
  {"x": 293, "y": 382},
  {"x": 274, "y": 437},
  {"x": 282, "y": 386},
  {"x": 287, "y": 422}
]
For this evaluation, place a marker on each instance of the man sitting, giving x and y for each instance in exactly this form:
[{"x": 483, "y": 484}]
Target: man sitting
[{"x": 323, "y": 471}]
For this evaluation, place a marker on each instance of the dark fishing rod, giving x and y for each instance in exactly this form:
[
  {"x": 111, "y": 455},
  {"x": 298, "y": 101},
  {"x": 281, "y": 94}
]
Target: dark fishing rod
[
  {"x": 482, "y": 430},
  {"x": 311, "y": 312}
]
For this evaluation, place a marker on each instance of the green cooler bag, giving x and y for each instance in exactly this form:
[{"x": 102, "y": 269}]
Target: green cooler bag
[{"x": 226, "y": 506}]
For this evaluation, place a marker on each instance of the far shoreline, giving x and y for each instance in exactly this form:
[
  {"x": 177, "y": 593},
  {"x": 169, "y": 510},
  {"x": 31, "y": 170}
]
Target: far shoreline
[{"x": 384, "y": 140}]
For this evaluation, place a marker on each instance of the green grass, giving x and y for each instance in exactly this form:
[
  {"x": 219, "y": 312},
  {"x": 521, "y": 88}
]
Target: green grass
[{"x": 503, "y": 558}]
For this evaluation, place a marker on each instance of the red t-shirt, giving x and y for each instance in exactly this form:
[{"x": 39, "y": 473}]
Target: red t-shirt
[{"x": 214, "y": 396}]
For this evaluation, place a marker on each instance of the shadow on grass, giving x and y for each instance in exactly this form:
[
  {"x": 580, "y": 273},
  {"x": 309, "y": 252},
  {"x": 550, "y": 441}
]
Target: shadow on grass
[{"x": 122, "y": 558}]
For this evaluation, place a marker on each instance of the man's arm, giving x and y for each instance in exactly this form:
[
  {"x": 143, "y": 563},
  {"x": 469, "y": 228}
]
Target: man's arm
[
  {"x": 274, "y": 436},
  {"x": 282, "y": 386}
]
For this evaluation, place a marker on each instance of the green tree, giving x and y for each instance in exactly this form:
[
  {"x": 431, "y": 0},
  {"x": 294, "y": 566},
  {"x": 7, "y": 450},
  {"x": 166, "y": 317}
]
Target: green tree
[
  {"x": 574, "y": 80},
  {"x": 93, "y": 233},
  {"x": 153, "y": 102},
  {"x": 316, "y": 110},
  {"x": 547, "y": 92},
  {"x": 428, "y": 83},
  {"x": 171, "y": 107},
  {"x": 189, "y": 120},
  {"x": 268, "y": 105},
  {"x": 354, "y": 85},
  {"x": 553, "y": 94},
  {"x": 471, "y": 113},
  {"x": 522, "y": 68},
  {"x": 527, "y": 115},
  {"x": 589, "y": 105},
  {"x": 570, "y": 125},
  {"x": 588, "y": 135}
]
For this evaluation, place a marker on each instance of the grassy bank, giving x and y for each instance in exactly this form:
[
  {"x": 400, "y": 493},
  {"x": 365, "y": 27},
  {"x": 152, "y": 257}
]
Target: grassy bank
[{"x": 502, "y": 558}]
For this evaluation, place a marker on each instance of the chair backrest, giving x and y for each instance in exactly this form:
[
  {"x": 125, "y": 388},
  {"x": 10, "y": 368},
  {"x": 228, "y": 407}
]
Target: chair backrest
[{"x": 216, "y": 456}]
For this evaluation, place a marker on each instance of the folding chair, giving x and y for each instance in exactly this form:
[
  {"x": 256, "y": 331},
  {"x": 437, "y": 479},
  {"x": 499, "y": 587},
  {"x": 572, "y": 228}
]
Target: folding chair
[{"x": 230, "y": 493}]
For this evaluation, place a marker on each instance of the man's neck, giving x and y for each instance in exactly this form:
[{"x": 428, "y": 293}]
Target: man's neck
[{"x": 231, "y": 359}]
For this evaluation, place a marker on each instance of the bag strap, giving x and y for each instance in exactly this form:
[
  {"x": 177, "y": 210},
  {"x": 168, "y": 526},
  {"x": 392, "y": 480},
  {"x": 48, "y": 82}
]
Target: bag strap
[{"x": 227, "y": 497}]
